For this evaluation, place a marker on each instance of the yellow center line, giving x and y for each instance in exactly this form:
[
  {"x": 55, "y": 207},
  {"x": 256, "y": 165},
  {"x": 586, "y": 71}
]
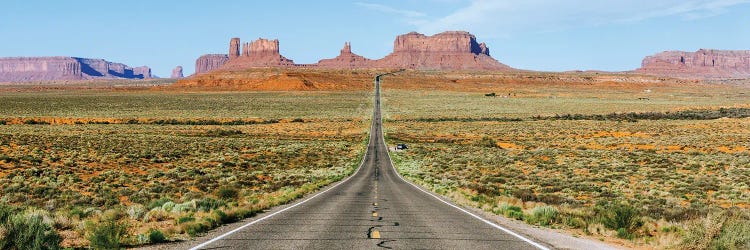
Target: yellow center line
[{"x": 375, "y": 234}]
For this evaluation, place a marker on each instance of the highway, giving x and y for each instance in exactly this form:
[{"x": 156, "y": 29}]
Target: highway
[{"x": 375, "y": 208}]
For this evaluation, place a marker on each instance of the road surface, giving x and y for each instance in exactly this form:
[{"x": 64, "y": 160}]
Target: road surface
[{"x": 373, "y": 209}]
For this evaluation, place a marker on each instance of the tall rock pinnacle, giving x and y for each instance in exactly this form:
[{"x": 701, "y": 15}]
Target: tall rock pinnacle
[{"x": 234, "y": 48}]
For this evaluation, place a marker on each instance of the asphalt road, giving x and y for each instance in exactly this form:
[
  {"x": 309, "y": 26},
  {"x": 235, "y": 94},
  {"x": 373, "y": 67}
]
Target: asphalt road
[{"x": 373, "y": 209}]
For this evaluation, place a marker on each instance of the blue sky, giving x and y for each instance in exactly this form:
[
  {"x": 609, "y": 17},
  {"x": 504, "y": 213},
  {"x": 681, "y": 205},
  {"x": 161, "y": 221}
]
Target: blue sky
[{"x": 548, "y": 35}]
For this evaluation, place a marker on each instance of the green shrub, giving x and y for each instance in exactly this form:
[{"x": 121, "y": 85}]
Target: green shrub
[
  {"x": 227, "y": 193},
  {"x": 208, "y": 204},
  {"x": 718, "y": 230},
  {"x": 487, "y": 141},
  {"x": 156, "y": 236},
  {"x": 136, "y": 211},
  {"x": 624, "y": 234},
  {"x": 26, "y": 231},
  {"x": 734, "y": 235},
  {"x": 543, "y": 216},
  {"x": 513, "y": 212},
  {"x": 158, "y": 203},
  {"x": 184, "y": 219},
  {"x": 224, "y": 218},
  {"x": 620, "y": 216},
  {"x": 194, "y": 229},
  {"x": 108, "y": 235},
  {"x": 574, "y": 221}
]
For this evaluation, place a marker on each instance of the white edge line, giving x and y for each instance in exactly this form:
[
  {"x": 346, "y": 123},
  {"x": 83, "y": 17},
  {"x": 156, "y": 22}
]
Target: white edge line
[
  {"x": 364, "y": 156},
  {"x": 508, "y": 231}
]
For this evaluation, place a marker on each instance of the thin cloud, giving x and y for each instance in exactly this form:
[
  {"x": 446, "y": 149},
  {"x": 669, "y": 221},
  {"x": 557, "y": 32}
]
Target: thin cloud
[
  {"x": 504, "y": 17},
  {"x": 391, "y": 10}
]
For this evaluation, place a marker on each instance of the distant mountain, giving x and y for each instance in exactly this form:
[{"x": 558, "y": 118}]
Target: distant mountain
[
  {"x": 704, "y": 63},
  {"x": 25, "y": 69}
]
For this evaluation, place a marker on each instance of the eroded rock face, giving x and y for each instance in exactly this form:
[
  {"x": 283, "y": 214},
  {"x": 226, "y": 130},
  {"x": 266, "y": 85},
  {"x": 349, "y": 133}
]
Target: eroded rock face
[
  {"x": 210, "y": 62},
  {"x": 177, "y": 73},
  {"x": 259, "y": 53},
  {"x": 346, "y": 59},
  {"x": 24, "y": 69},
  {"x": 234, "y": 48},
  {"x": 19, "y": 69},
  {"x": 449, "y": 41},
  {"x": 704, "y": 63},
  {"x": 142, "y": 72},
  {"x": 451, "y": 50}
]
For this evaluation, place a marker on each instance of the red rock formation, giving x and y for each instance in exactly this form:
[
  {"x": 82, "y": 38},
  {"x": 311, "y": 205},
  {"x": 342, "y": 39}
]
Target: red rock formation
[
  {"x": 142, "y": 72},
  {"x": 19, "y": 69},
  {"x": 210, "y": 62},
  {"x": 177, "y": 73},
  {"x": 345, "y": 60},
  {"x": 452, "y": 50},
  {"x": 234, "y": 48},
  {"x": 24, "y": 69},
  {"x": 704, "y": 63},
  {"x": 259, "y": 53}
]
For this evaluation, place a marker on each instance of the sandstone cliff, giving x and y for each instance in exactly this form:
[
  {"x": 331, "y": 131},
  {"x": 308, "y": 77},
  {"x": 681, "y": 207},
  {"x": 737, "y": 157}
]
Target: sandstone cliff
[
  {"x": 451, "y": 50},
  {"x": 24, "y": 69},
  {"x": 142, "y": 72},
  {"x": 259, "y": 53},
  {"x": 210, "y": 62},
  {"x": 704, "y": 63},
  {"x": 234, "y": 48}
]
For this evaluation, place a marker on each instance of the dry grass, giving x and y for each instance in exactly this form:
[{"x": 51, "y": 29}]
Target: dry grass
[
  {"x": 177, "y": 162},
  {"x": 495, "y": 153}
]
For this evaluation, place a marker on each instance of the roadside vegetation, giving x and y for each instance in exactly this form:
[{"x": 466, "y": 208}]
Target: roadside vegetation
[
  {"x": 669, "y": 170},
  {"x": 111, "y": 170}
]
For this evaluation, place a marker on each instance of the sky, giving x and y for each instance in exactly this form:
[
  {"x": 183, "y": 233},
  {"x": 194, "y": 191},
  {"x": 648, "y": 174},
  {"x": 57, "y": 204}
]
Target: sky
[{"x": 545, "y": 35}]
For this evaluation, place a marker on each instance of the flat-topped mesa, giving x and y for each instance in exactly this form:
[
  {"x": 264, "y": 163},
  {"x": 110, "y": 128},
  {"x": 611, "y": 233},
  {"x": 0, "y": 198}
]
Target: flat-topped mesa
[
  {"x": 451, "y": 50},
  {"x": 449, "y": 41},
  {"x": 259, "y": 53},
  {"x": 346, "y": 59},
  {"x": 234, "y": 48},
  {"x": 210, "y": 62},
  {"x": 24, "y": 69},
  {"x": 704, "y": 63},
  {"x": 20, "y": 69}
]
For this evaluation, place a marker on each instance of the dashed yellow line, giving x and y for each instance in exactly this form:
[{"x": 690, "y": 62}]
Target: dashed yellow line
[{"x": 375, "y": 234}]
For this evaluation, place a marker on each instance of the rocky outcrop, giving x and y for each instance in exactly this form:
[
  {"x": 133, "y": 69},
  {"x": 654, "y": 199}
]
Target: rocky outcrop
[
  {"x": 142, "y": 72},
  {"x": 346, "y": 59},
  {"x": 234, "y": 48},
  {"x": 452, "y": 50},
  {"x": 210, "y": 62},
  {"x": 20, "y": 69},
  {"x": 24, "y": 69},
  {"x": 177, "y": 73},
  {"x": 259, "y": 53},
  {"x": 704, "y": 63}
]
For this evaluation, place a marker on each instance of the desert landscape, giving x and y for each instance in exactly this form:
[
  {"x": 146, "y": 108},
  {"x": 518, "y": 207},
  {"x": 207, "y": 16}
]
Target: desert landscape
[{"x": 435, "y": 145}]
